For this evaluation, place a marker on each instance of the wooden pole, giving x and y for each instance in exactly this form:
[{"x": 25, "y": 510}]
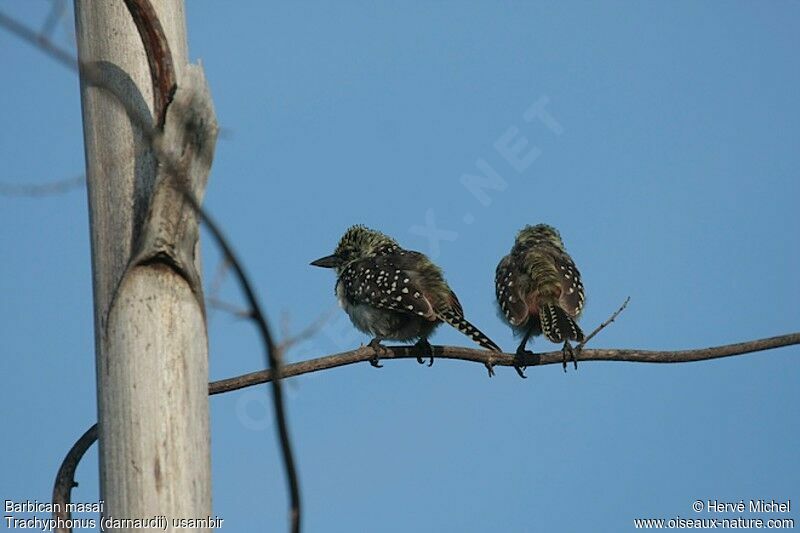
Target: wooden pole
[{"x": 150, "y": 334}]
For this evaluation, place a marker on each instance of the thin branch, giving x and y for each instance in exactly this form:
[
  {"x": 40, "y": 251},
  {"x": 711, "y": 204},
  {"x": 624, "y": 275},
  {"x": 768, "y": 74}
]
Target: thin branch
[
  {"x": 41, "y": 189},
  {"x": 222, "y": 305},
  {"x": 309, "y": 331},
  {"x": 484, "y": 357},
  {"x": 273, "y": 360},
  {"x": 159, "y": 57},
  {"x": 65, "y": 479},
  {"x": 365, "y": 354},
  {"x": 600, "y": 328},
  {"x": 57, "y": 10},
  {"x": 45, "y": 45},
  {"x": 215, "y": 285}
]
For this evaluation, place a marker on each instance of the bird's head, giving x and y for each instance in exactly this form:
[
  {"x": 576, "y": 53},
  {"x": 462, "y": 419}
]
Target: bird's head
[
  {"x": 357, "y": 243},
  {"x": 538, "y": 234}
]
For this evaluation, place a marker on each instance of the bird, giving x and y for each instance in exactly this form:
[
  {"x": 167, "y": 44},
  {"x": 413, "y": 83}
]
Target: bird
[
  {"x": 539, "y": 290},
  {"x": 396, "y": 294}
]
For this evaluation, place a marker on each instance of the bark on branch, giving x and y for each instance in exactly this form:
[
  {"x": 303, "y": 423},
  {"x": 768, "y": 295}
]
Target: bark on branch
[
  {"x": 66, "y": 474},
  {"x": 365, "y": 354}
]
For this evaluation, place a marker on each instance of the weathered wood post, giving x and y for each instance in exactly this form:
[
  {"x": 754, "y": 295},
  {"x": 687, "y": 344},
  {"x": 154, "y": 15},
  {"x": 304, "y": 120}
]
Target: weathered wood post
[{"x": 150, "y": 331}]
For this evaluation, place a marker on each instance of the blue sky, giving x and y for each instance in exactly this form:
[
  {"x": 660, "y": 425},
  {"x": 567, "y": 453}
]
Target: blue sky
[{"x": 669, "y": 163}]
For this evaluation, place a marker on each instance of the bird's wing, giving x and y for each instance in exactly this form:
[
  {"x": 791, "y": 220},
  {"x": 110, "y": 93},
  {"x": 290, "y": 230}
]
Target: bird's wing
[
  {"x": 405, "y": 277},
  {"x": 455, "y": 305},
  {"x": 507, "y": 289},
  {"x": 410, "y": 261},
  {"x": 572, "y": 296},
  {"x": 382, "y": 282}
]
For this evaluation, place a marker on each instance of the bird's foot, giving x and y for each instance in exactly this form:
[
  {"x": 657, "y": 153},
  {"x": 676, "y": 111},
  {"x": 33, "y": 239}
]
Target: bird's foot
[
  {"x": 519, "y": 361},
  {"x": 567, "y": 350},
  {"x": 490, "y": 367},
  {"x": 424, "y": 348},
  {"x": 380, "y": 349}
]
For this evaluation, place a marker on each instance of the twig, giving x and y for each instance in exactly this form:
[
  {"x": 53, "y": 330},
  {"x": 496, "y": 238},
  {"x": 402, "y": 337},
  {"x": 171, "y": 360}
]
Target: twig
[
  {"x": 56, "y": 13},
  {"x": 159, "y": 57},
  {"x": 599, "y": 328},
  {"x": 65, "y": 479},
  {"x": 273, "y": 361},
  {"x": 41, "y": 189},
  {"x": 222, "y": 305},
  {"x": 45, "y": 45},
  {"x": 366, "y": 354},
  {"x": 215, "y": 285},
  {"x": 290, "y": 340}
]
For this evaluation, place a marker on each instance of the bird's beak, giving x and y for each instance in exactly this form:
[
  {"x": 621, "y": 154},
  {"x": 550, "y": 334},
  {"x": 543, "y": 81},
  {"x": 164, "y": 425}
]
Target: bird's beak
[{"x": 331, "y": 261}]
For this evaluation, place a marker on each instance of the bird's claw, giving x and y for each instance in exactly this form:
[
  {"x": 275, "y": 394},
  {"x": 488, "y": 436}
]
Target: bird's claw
[
  {"x": 568, "y": 350},
  {"x": 380, "y": 349},
  {"x": 519, "y": 364},
  {"x": 424, "y": 347},
  {"x": 421, "y": 360},
  {"x": 490, "y": 368}
]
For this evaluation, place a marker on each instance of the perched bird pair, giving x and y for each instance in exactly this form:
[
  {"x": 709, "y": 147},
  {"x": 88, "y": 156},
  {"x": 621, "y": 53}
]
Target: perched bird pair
[{"x": 396, "y": 294}]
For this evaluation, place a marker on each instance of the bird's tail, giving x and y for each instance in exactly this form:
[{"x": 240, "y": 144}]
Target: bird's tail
[
  {"x": 458, "y": 321},
  {"x": 557, "y": 325}
]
